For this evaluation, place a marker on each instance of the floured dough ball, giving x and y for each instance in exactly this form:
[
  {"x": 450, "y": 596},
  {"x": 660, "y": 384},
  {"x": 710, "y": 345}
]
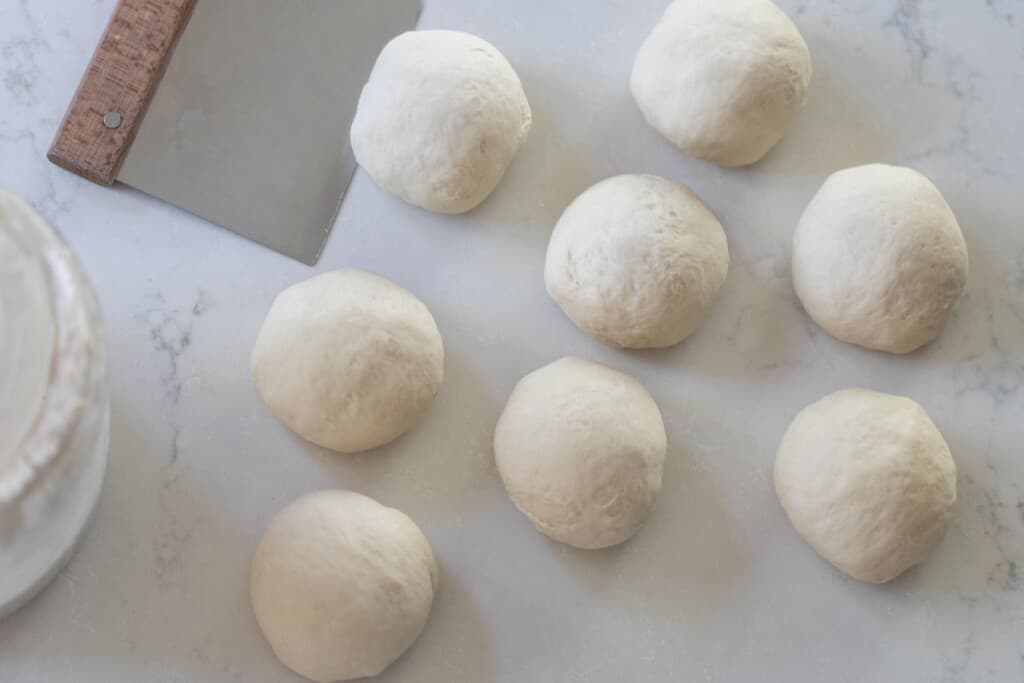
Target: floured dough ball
[
  {"x": 878, "y": 258},
  {"x": 580, "y": 448},
  {"x": 868, "y": 481},
  {"x": 341, "y": 585},
  {"x": 724, "y": 80},
  {"x": 636, "y": 261},
  {"x": 440, "y": 119},
  {"x": 348, "y": 360}
]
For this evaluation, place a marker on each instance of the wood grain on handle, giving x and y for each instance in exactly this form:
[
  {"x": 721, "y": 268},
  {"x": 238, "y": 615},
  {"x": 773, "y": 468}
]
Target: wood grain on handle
[{"x": 120, "y": 81}]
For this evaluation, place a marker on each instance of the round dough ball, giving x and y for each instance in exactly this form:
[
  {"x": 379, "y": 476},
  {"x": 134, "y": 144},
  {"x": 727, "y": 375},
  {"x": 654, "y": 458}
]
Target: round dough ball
[
  {"x": 341, "y": 585},
  {"x": 724, "y": 80},
  {"x": 580, "y": 448},
  {"x": 440, "y": 119},
  {"x": 868, "y": 481},
  {"x": 878, "y": 258},
  {"x": 636, "y": 261},
  {"x": 348, "y": 360}
]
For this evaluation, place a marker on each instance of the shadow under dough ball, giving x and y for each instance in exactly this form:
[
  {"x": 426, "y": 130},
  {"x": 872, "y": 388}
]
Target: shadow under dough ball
[
  {"x": 580, "y": 448},
  {"x": 724, "y": 80},
  {"x": 868, "y": 481},
  {"x": 879, "y": 259},
  {"x": 637, "y": 261},
  {"x": 341, "y": 585},
  {"x": 348, "y": 360},
  {"x": 440, "y": 120}
]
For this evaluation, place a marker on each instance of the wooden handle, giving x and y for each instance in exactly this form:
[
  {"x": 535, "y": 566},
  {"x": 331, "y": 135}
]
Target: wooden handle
[{"x": 118, "y": 84}]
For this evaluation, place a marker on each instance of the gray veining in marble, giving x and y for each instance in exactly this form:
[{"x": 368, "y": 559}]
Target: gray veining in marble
[{"x": 717, "y": 587}]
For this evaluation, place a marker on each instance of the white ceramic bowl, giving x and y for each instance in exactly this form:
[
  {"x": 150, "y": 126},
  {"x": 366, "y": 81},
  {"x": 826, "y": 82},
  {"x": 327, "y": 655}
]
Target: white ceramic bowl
[{"x": 54, "y": 402}]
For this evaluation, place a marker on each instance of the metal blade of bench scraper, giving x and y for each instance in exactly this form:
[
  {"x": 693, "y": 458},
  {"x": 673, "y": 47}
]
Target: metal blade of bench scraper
[{"x": 249, "y": 127}]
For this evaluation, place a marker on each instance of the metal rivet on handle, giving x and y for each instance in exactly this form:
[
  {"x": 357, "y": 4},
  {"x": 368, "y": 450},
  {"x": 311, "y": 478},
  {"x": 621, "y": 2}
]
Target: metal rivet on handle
[{"x": 112, "y": 119}]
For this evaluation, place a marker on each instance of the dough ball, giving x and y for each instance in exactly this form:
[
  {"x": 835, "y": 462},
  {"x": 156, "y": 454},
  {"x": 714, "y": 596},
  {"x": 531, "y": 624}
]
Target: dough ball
[
  {"x": 580, "y": 448},
  {"x": 636, "y": 261},
  {"x": 878, "y": 258},
  {"x": 341, "y": 585},
  {"x": 348, "y": 360},
  {"x": 440, "y": 119},
  {"x": 724, "y": 80},
  {"x": 868, "y": 481}
]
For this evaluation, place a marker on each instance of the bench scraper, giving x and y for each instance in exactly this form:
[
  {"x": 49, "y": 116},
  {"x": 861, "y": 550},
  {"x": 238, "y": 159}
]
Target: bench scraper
[{"x": 235, "y": 110}]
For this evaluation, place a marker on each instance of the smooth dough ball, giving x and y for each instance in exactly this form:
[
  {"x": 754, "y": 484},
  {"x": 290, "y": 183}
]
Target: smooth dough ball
[
  {"x": 341, "y": 585},
  {"x": 868, "y": 481},
  {"x": 724, "y": 80},
  {"x": 348, "y": 360},
  {"x": 440, "y": 119},
  {"x": 637, "y": 261},
  {"x": 580, "y": 448},
  {"x": 878, "y": 258}
]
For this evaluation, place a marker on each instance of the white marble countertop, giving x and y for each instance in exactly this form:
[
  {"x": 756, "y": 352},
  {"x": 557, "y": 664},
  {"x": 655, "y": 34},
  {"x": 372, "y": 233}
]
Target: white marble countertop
[{"x": 718, "y": 587}]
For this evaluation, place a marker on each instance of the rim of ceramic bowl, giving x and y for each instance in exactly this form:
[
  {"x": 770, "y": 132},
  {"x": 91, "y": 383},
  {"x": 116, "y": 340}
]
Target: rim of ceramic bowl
[{"x": 75, "y": 354}]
